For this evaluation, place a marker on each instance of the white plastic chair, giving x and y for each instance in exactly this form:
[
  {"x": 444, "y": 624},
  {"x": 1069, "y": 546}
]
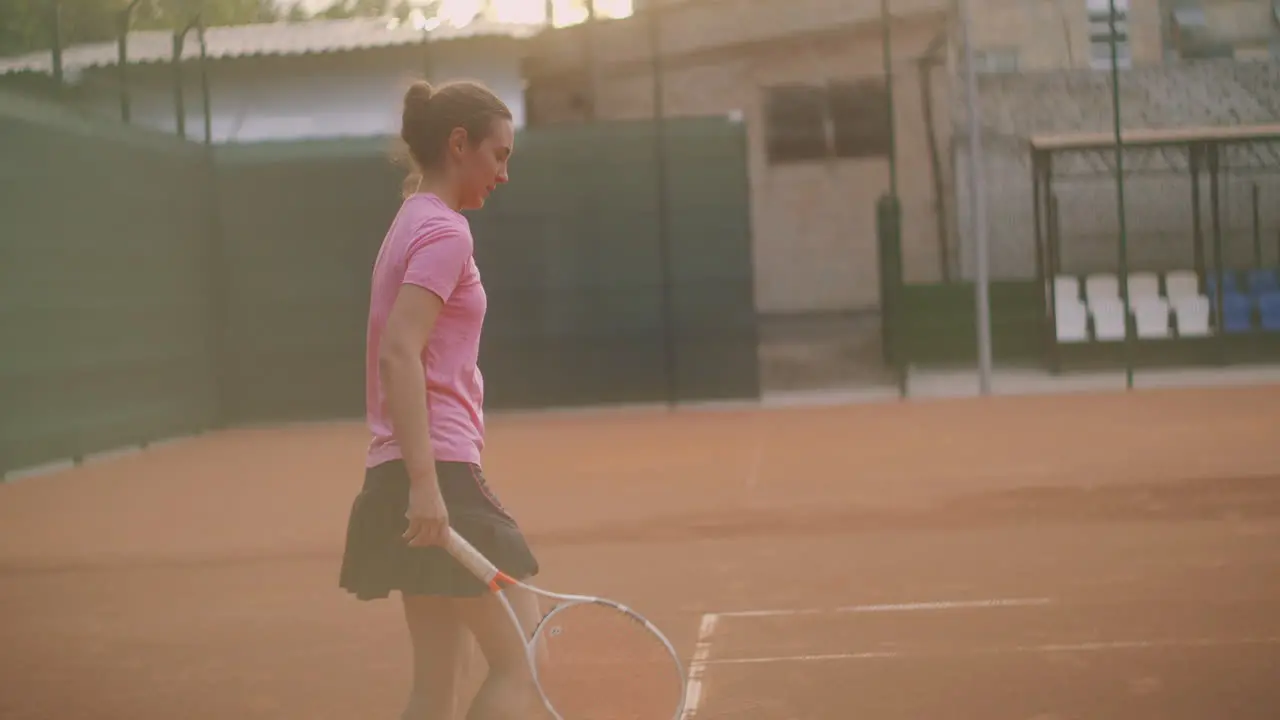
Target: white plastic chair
[
  {"x": 1181, "y": 284},
  {"x": 1143, "y": 285},
  {"x": 1065, "y": 288},
  {"x": 1108, "y": 319},
  {"x": 1151, "y": 317},
  {"x": 1192, "y": 316},
  {"x": 1101, "y": 286},
  {"x": 1072, "y": 320}
]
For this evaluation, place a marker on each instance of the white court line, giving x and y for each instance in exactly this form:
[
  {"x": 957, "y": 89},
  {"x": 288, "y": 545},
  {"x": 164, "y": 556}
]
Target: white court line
[
  {"x": 698, "y": 665},
  {"x": 702, "y": 649},
  {"x": 893, "y": 607},
  {"x": 1088, "y": 647}
]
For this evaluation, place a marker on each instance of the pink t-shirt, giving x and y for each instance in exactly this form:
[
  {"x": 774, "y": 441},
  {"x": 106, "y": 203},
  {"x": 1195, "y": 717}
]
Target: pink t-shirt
[{"x": 430, "y": 245}]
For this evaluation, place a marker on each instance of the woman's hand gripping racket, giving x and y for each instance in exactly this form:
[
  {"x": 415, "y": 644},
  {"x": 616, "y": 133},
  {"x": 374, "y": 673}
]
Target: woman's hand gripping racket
[{"x": 592, "y": 659}]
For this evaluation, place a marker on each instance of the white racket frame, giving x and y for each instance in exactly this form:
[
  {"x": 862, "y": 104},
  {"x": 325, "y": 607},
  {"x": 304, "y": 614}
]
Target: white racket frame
[{"x": 496, "y": 581}]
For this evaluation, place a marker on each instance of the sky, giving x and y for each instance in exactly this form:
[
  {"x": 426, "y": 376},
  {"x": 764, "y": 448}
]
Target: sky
[{"x": 566, "y": 12}]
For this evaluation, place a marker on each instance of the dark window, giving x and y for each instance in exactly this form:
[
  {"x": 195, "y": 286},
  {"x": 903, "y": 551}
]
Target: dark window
[
  {"x": 847, "y": 119},
  {"x": 860, "y": 119},
  {"x": 795, "y": 122}
]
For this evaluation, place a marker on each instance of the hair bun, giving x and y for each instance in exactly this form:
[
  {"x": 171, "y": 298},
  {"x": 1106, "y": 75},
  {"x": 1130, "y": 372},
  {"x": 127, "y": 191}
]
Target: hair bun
[
  {"x": 415, "y": 109},
  {"x": 418, "y": 93},
  {"x": 432, "y": 114}
]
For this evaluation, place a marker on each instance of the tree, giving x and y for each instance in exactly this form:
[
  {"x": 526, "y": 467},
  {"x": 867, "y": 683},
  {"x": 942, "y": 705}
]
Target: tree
[{"x": 28, "y": 25}]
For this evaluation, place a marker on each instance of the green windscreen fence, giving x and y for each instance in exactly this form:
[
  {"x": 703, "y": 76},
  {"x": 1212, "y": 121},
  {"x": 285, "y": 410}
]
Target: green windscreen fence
[
  {"x": 301, "y": 224},
  {"x": 569, "y": 251},
  {"x": 104, "y": 303},
  {"x": 937, "y": 324},
  {"x": 583, "y": 305},
  {"x": 150, "y": 289}
]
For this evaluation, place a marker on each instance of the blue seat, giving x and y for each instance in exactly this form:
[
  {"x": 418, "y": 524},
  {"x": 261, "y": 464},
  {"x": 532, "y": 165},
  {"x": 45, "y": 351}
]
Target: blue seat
[
  {"x": 1237, "y": 312},
  {"x": 1269, "y": 311},
  {"x": 1229, "y": 283},
  {"x": 1262, "y": 281}
]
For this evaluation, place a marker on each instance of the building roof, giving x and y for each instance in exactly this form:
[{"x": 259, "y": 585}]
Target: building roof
[{"x": 278, "y": 38}]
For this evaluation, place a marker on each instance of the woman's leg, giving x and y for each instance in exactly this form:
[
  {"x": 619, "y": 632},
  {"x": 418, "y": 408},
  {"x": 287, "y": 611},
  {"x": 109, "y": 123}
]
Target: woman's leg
[
  {"x": 508, "y": 692},
  {"x": 441, "y": 657},
  {"x": 525, "y": 605}
]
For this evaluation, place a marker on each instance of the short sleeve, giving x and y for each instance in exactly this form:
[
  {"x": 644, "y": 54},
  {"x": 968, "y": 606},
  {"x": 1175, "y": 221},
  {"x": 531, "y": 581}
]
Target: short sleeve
[{"x": 437, "y": 259}]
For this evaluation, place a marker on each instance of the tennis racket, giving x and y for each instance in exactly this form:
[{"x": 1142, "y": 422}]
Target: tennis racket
[{"x": 592, "y": 658}]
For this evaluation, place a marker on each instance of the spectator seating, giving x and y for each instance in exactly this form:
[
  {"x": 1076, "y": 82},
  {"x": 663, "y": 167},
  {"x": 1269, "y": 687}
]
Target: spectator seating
[
  {"x": 1175, "y": 304},
  {"x": 1269, "y": 311}
]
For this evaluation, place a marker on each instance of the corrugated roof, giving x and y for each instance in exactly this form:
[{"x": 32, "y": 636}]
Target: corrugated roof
[{"x": 279, "y": 38}]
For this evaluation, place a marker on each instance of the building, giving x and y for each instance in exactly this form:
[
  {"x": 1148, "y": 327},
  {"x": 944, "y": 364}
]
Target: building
[
  {"x": 1240, "y": 29},
  {"x": 807, "y": 77},
  {"x": 1062, "y": 34},
  {"x": 285, "y": 81}
]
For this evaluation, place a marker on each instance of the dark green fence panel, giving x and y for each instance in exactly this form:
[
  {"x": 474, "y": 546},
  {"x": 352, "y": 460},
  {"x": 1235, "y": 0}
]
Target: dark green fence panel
[
  {"x": 713, "y": 271},
  {"x": 301, "y": 224},
  {"x": 146, "y": 295},
  {"x": 103, "y": 287},
  {"x": 936, "y": 324},
  {"x": 569, "y": 252},
  {"x": 571, "y": 257}
]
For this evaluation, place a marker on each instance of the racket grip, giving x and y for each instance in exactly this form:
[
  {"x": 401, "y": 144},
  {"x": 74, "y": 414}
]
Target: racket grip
[{"x": 475, "y": 562}]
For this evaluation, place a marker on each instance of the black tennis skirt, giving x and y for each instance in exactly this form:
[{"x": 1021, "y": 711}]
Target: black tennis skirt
[{"x": 377, "y": 559}]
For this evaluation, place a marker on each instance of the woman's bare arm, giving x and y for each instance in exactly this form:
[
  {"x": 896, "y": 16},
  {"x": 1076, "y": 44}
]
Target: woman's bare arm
[{"x": 404, "y": 338}]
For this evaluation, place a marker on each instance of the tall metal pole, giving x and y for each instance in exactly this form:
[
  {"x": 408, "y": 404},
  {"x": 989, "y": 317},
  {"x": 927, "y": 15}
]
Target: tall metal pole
[
  {"x": 1124, "y": 235},
  {"x": 888, "y": 307},
  {"x": 977, "y": 207},
  {"x": 593, "y": 63},
  {"x": 887, "y": 45},
  {"x": 122, "y": 63},
  {"x": 55, "y": 22},
  {"x": 122, "y": 60},
  {"x": 664, "y": 240},
  {"x": 204, "y": 78},
  {"x": 179, "y": 97}
]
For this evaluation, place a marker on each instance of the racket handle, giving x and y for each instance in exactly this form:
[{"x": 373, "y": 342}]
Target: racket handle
[{"x": 475, "y": 562}]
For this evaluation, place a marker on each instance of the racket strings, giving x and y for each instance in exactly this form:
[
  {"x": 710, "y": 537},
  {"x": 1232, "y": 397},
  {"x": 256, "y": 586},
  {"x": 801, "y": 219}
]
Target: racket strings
[{"x": 599, "y": 663}]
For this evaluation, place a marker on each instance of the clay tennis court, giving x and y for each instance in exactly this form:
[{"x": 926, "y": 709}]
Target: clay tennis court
[{"x": 1073, "y": 556}]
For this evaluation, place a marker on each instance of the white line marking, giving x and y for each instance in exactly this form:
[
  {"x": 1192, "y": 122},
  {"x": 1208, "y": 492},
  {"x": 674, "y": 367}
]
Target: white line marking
[
  {"x": 809, "y": 658},
  {"x": 701, "y": 657},
  {"x": 1087, "y": 647},
  {"x": 893, "y": 607}
]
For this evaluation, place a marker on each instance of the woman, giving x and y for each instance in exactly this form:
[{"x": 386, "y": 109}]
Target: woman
[{"x": 424, "y": 403}]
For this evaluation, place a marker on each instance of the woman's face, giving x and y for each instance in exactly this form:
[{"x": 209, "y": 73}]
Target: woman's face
[{"x": 483, "y": 167}]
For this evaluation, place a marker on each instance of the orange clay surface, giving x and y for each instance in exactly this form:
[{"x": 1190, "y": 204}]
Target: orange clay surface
[{"x": 1137, "y": 534}]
